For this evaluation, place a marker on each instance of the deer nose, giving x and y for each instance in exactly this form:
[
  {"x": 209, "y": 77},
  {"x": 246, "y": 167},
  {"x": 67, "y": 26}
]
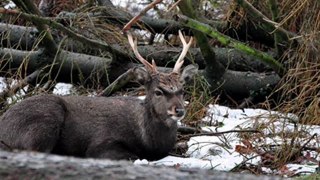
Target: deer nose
[{"x": 179, "y": 112}]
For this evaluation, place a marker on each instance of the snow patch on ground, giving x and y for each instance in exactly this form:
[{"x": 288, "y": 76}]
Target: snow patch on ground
[
  {"x": 10, "y": 5},
  {"x": 219, "y": 152},
  {"x": 62, "y": 89}
]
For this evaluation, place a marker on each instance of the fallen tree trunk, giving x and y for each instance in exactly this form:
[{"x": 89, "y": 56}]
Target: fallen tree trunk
[
  {"x": 69, "y": 67},
  {"x": 33, "y": 165},
  {"x": 96, "y": 72},
  {"x": 24, "y": 38},
  {"x": 91, "y": 70}
]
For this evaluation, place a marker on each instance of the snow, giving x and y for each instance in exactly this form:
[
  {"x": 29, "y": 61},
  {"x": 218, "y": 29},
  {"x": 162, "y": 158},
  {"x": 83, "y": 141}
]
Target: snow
[
  {"x": 10, "y": 5},
  {"x": 219, "y": 152},
  {"x": 212, "y": 150},
  {"x": 177, "y": 162},
  {"x": 62, "y": 89},
  {"x": 302, "y": 168}
]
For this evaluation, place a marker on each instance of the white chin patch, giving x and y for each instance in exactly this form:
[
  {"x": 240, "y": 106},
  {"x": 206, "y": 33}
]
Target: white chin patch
[
  {"x": 176, "y": 118},
  {"x": 173, "y": 116}
]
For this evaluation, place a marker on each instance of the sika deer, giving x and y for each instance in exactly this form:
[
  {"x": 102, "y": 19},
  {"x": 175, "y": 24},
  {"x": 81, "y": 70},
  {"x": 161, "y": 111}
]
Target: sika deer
[{"x": 100, "y": 127}]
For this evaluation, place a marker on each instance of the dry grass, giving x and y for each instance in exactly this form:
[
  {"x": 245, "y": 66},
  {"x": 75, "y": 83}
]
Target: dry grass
[
  {"x": 199, "y": 97},
  {"x": 301, "y": 86},
  {"x": 299, "y": 89},
  {"x": 96, "y": 27}
]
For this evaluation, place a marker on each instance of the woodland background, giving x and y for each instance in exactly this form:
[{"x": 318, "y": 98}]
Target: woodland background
[{"x": 251, "y": 53}]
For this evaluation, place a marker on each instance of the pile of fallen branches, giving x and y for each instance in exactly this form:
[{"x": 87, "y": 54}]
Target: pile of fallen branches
[{"x": 85, "y": 47}]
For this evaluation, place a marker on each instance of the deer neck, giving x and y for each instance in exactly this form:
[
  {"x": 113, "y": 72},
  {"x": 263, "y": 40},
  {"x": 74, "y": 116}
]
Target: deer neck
[{"x": 158, "y": 132}]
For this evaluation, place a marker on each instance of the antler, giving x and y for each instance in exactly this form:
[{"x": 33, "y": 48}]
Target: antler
[
  {"x": 151, "y": 68},
  {"x": 185, "y": 49}
]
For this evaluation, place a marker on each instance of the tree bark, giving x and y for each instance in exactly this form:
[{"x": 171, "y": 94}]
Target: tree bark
[
  {"x": 24, "y": 38},
  {"x": 97, "y": 71},
  {"x": 69, "y": 67},
  {"x": 91, "y": 70},
  {"x": 33, "y": 165}
]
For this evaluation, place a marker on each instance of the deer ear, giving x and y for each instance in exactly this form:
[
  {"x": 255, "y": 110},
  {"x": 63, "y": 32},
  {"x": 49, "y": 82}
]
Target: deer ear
[
  {"x": 141, "y": 75},
  {"x": 188, "y": 73}
]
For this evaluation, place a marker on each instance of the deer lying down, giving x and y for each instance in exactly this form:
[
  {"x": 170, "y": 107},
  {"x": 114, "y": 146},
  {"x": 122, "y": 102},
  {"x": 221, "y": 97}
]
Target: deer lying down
[{"x": 100, "y": 127}]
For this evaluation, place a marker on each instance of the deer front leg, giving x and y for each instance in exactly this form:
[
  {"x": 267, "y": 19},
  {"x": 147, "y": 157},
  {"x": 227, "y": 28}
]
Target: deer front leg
[{"x": 111, "y": 150}]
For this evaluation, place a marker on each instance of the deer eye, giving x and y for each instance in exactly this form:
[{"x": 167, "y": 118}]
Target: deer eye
[{"x": 158, "y": 92}]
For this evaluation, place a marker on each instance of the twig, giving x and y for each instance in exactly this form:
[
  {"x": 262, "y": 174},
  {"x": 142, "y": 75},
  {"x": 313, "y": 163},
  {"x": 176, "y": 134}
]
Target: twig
[
  {"x": 176, "y": 155},
  {"x": 188, "y": 130},
  {"x": 223, "y": 132},
  {"x": 47, "y": 86},
  {"x": 48, "y": 41},
  {"x": 30, "y": 5},
  {"x": 6, "y": 146},
  {"x": 243, "y": 162},
  {"x": 10, "y": 91},
  {"x": 70, "y": 33},
  {"x": 174, "y": 5},
  {"x": 250, "y": 9},
  {"x": 245, "y": 103},
  {"x": 305, "y": 144},
  {"x": 227, "y": 41},
  {"x": 303, "y": 173},
  {"x": 137, "y": 17},
  {"x": 122, "y": 80},
  {"x": 275, "y": 16}
]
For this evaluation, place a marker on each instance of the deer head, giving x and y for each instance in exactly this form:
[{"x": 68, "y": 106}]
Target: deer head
[{"x": 165, "y": 90}]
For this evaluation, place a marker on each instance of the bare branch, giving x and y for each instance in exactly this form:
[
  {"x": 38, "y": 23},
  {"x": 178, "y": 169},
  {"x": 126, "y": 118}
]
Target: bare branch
[
  {"x": 15, "y": 88},
  {"x": 118, "y": 83},
  {"x": 48, "y": 40},
  {"x": 137, "y": 17},
  {"x": 224, "y": 132}
]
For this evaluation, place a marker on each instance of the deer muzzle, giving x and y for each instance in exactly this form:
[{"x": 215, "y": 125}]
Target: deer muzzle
[{"x": 176, "y": 113}]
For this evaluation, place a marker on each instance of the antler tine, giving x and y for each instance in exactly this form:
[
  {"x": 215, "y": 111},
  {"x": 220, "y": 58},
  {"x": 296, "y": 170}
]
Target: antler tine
[
  {"x": 134, "y": 46},
  {"x": 185, "y": 49}
]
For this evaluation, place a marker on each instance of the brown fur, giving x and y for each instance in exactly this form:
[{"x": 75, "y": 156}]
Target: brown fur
[{"x": 99, "y": 127}]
